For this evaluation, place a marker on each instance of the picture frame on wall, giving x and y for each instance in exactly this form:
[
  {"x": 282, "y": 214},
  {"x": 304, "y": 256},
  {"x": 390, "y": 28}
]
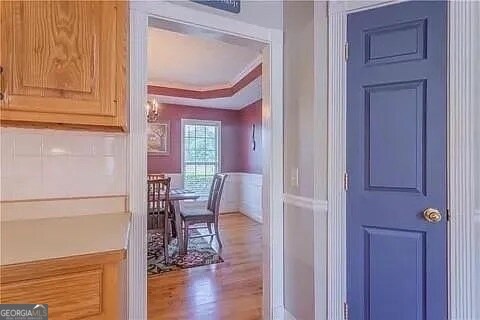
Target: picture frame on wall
[{"x": 158, "y": 138}]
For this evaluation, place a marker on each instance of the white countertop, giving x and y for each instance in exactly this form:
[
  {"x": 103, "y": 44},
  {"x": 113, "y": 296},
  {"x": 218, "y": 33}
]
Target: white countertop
[{"x": 49, "y": 238}]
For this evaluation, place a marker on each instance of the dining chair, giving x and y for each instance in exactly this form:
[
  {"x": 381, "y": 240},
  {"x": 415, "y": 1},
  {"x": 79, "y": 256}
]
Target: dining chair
[
  {"x": 158, "y": 208},
  {"x": 208, "y": 215},
  {"x": 154, "y": 176}
]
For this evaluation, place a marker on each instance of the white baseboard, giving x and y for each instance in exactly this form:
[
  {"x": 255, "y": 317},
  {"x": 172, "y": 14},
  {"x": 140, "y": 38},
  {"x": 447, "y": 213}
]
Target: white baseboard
[{"x": 254, "y": 216}]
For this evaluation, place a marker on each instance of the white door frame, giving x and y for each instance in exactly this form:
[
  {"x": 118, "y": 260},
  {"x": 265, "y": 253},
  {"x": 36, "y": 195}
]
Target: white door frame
[
  {"x": 272, "y": 136},
  {"x": 463, "y": 30}
]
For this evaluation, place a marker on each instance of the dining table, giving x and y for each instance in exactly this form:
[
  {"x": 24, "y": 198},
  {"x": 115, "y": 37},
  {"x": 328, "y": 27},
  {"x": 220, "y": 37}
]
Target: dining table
[{"x": 176, "y": 195}]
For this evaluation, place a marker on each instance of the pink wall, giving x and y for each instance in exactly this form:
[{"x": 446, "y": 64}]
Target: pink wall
[
  {"x": 251, "y": 161},
  {"x": 237, "y": 154},
  {"x": 230, "y": 157}
]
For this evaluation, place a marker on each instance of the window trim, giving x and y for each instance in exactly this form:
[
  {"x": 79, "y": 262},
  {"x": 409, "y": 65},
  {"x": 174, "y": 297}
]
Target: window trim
[{"x": 216, "y": 123}]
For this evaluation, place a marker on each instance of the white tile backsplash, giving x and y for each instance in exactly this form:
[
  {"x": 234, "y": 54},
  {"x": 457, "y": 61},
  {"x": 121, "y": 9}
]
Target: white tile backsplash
[
  {"x": 109, "y": 146},
  {"x": 72, "y": 145},
  {"x": 40, "y": 163},
  {"x": 28, "y": 144}
]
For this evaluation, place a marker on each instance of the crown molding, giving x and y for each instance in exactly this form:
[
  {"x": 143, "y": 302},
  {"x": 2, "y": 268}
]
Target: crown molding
[
  {"x": 244, "y": 81},
  {"x": 249, "y": 68}
]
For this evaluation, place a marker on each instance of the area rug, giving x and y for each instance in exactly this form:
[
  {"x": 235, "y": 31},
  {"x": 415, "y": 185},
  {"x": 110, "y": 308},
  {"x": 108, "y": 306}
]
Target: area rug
[{"x": 199, "y": 253}]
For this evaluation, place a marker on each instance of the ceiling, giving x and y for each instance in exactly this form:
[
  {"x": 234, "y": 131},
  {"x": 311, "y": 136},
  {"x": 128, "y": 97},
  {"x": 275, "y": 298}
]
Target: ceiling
[{"x": 197, "y": 63}]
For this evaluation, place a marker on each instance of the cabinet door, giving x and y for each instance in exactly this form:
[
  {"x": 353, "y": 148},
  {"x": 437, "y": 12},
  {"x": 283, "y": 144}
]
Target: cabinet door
[{"x": 61, "y": 63}]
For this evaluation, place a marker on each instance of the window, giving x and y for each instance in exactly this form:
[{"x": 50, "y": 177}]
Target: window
[{"x": 201, "y": 154}]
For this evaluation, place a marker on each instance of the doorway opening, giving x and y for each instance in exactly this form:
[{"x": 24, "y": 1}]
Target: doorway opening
[{"x": 204, "y": 118}]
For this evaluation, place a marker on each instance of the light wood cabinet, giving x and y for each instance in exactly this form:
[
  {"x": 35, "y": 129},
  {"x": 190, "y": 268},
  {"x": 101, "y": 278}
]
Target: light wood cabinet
[
  {"x": 64, "y": 63},
  {"x": 80, "y": 287}
]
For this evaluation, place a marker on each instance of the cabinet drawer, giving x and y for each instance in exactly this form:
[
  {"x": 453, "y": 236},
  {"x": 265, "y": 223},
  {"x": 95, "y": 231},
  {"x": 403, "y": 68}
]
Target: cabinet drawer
[
  {"x": 90, "y": 286},
  {"x": 69, "y": 296}
]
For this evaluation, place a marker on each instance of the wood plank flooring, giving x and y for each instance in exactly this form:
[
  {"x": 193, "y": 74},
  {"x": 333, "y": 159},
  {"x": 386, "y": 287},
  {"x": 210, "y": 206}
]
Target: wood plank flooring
[{"x": 229, "y": 290}]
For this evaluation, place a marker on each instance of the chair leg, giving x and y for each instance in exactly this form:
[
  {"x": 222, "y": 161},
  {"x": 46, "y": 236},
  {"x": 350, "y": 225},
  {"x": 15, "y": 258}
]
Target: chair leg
[
  {"x": 185, "y": 234},
  {"x": 169, "y": 231},
  {"x": 217, "y": 234},
  {"x": 165, "y": 239},
  {"x": 172, "y": 228},
  {"x": 209, "y": 226}
]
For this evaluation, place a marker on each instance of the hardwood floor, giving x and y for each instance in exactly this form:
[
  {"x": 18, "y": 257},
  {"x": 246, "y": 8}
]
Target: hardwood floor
[{"x": 228, "y": 290}]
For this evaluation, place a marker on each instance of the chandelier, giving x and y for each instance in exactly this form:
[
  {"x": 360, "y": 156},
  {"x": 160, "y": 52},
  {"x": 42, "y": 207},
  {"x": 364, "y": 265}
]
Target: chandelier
[{"x": 152, "y": 110}]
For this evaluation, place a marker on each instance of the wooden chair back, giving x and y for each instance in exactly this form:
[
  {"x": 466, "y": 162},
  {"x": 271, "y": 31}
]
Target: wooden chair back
[
  {"x": 158, "y": 199},
  {"x": 155, "y": 176},
  {"x": 216, "y": 190}
]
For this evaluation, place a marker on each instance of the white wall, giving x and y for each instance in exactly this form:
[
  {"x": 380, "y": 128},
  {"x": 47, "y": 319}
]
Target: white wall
[
  {"x": 263, "y": 13},
  {"x": 299, "y": 246},
  {"x": 243, "y": 193},
  {"x": 305, "y": 151},
  {"x": 40, "y": 163}
]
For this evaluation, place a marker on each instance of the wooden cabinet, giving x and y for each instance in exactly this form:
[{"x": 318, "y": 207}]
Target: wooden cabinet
[
  {"x": 79, "y": 287},
  {"x": 64, "y": 63}
]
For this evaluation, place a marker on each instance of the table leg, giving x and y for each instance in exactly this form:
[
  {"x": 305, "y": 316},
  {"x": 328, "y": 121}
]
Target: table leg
[{"x": 178, "y": 227}]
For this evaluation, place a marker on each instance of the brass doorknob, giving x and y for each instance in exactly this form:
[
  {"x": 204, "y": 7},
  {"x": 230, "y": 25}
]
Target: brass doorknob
[{"x": 432, "y": 215}]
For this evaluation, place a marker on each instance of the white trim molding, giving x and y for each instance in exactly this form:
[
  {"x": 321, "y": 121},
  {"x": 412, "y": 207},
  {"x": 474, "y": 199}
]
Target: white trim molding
[
  {"x": 272, "y": 185},
  {"x": 463, "y": 36},
  {"x": 320, "y": 132},
  {"x": 336, "y": 222},
  {"x": 317, "y": 206},
  {"x": 137, "y": 168},
  {"x": 272, "y": 137},
  {"x": 463, "y": 26},
  {"x": 249, "y": 68}
]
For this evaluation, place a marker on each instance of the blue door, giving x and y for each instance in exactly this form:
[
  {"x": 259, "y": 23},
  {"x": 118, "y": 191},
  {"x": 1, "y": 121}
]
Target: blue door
[{"x": 396, "y": 161}]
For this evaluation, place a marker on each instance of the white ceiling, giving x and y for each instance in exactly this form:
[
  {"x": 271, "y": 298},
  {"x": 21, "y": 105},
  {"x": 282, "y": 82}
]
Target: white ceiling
[{"x": 182, "y": 61}]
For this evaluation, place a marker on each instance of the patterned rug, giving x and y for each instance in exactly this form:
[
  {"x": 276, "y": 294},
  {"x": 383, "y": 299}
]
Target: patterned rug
[{"x": 199, "y": 253}]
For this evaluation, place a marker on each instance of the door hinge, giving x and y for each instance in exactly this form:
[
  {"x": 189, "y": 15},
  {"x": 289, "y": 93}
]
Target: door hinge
[
  {"x": 345, "y": 181},
  {"x": 345, "y": 311},
  {"x": 346, "y": 51},
  {"x": 449, "y": 216}
]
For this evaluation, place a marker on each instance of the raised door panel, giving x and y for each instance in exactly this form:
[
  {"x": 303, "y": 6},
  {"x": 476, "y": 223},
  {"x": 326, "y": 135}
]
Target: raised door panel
[
  {"x": 396, "y": 162},
  {"x": 62, "y": 62}
]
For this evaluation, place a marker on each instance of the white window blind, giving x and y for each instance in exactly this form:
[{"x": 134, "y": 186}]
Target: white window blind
[{"x": 201, "y": 154}]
